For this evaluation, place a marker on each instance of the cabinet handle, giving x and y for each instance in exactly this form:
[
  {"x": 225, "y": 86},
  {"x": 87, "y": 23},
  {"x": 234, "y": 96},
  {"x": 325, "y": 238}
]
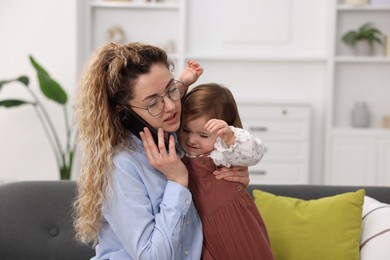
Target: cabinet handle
[
  {"x": 258, "y": 128},
  {"x": 258, "y": 172}
]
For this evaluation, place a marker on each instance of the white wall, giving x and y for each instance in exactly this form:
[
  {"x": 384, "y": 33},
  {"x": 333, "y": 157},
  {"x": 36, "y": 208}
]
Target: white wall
[
  {"x": 45, "y": 29},
  {"x": 276, "y": 29}
]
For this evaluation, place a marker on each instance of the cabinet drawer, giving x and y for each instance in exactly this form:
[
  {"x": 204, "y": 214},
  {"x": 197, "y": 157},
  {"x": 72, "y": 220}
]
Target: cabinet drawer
[
  {"x": 285, "y": 132},
  {"x": 277, "y": 130},
  {"x": 286, "y": 151},
  {"x": 278, "y": 112},
  {"x": 278, "y": 173}
]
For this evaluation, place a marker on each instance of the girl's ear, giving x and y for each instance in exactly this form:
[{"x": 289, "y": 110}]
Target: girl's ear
[{"x": 118, "y": 108}]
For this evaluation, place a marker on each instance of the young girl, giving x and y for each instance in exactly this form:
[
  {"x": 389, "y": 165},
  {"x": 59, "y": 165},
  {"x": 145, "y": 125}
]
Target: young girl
[{"x": 211, "y": 136}]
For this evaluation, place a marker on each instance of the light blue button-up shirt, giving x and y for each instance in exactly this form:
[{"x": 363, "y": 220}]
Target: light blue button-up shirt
[{"x": 145, "y": 216}]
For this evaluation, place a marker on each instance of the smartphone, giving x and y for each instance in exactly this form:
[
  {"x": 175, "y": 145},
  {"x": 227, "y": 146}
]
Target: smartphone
[{"x": 135, "y": 124}]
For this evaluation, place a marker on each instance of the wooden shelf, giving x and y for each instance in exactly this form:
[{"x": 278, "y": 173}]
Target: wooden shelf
[
  {"x": 367, "y": 59},
  {"x": 260, "y": 58},
  {"x": 369, "y": 131},
  {"x": 364, "y": 8},
  {"x": 134, "y": 5}
]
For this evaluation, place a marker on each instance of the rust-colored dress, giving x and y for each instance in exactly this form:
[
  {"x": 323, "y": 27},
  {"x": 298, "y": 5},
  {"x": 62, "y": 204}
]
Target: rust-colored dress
[{"x": 232, "y": 225}]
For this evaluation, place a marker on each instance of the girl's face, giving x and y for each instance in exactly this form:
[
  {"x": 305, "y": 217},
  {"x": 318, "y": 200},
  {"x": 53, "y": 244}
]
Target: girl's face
[
  {"x": 149, "y": 86},
  {"x": 195, "y": 139}
]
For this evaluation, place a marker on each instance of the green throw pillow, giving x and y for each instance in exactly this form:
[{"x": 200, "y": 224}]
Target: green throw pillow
[{"x": 324, "y": 229}]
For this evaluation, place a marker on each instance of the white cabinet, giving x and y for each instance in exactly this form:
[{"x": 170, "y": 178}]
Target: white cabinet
[
  {"x": 353, "y": 161},
  {"x": 384, "y": 161},
  {"x": 157, "y": 23},
  {"x": 359, "y": 78},
  {"x": 260, "y": 50},
  {"x": 353, "y": 154},
  {"x": 285, "y": 131},
  {"x": 360, "y": 158}
]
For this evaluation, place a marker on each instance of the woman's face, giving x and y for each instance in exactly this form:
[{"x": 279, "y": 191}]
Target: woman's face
[{"x": 149, "y": 86}]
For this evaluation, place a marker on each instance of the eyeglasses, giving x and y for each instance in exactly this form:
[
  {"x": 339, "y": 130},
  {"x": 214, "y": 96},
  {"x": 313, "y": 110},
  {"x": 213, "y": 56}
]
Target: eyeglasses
[{"x": 156, "y": 105}]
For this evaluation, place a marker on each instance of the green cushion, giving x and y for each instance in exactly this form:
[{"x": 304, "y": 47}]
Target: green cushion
[{"x": 328, "y": 228}]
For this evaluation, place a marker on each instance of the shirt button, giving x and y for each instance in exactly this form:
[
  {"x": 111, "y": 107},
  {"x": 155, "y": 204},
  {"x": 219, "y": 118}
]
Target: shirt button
[
  {"x": 187, "y": 222},
  {"x": 186, "y": 252},
  {"x": 188, "y": 201},
  {"x": 239, "y": 187},
  {"x": 202, "y": 160}
]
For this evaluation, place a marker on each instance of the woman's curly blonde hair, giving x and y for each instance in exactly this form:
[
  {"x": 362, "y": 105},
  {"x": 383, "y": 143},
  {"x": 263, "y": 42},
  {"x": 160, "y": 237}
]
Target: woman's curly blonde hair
[{"x": 105, "y": 87}]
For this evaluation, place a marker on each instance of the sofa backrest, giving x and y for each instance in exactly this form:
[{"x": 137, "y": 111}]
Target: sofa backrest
[
  {"x": 308, "y": 192},
  {"x": 36, "y": 216},
  {"x": 36, "y": 222}
]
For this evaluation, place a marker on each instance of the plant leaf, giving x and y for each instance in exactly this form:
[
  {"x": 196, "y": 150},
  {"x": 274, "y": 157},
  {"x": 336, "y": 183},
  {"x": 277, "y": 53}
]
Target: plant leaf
[
  {"x": 14, "y": 103},
  {"x": 366, "y": 31},
  {"x": 23, "y": 79},
  {"x": 49, "y": 87},
  {"x": 3, "y": 82},
  {"x": 37, "y": 67}
]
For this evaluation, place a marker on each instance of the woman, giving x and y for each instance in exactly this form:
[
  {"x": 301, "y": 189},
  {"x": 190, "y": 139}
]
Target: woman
[{"x": 124, "y": 205}]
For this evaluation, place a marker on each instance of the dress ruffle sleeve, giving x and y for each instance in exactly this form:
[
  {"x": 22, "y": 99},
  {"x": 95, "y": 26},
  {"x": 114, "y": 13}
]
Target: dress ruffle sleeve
[{"x": 247, "y": 150}]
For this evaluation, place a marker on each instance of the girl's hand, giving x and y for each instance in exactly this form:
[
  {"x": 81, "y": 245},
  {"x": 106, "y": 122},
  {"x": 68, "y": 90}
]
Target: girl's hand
[
  {"x": 234, "y": 173},
  {"x": 221, "y": 129},
  {"x": 168, "y": 164},
  {"x": 191, "y": 73}
]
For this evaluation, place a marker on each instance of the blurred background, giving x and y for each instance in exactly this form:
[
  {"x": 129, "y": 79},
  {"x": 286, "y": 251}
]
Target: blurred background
[{"x": 297, "y": 83}]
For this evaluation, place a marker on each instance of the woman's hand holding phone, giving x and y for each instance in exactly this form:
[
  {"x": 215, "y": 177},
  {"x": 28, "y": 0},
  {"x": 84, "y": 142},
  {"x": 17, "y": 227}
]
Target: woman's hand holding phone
[{"x": 168, "y": 163}]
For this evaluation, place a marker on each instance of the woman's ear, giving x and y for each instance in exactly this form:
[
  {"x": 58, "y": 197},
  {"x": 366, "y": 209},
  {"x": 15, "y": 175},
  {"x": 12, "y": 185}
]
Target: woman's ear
[{"x": 118, "y": 108}]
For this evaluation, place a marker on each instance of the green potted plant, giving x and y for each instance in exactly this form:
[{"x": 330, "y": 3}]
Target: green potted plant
[
  {"x": 363, "y": 39},
  {"x": 64, "y": 155}
]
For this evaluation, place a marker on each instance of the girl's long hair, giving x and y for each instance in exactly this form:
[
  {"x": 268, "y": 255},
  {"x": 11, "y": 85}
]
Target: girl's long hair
[{"x": 107, "y": 83}]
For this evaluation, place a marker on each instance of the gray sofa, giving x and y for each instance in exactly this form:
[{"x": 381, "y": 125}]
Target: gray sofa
[
  {"x": 36, "y": 222},
  {"x": 36, "y": 216}
]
